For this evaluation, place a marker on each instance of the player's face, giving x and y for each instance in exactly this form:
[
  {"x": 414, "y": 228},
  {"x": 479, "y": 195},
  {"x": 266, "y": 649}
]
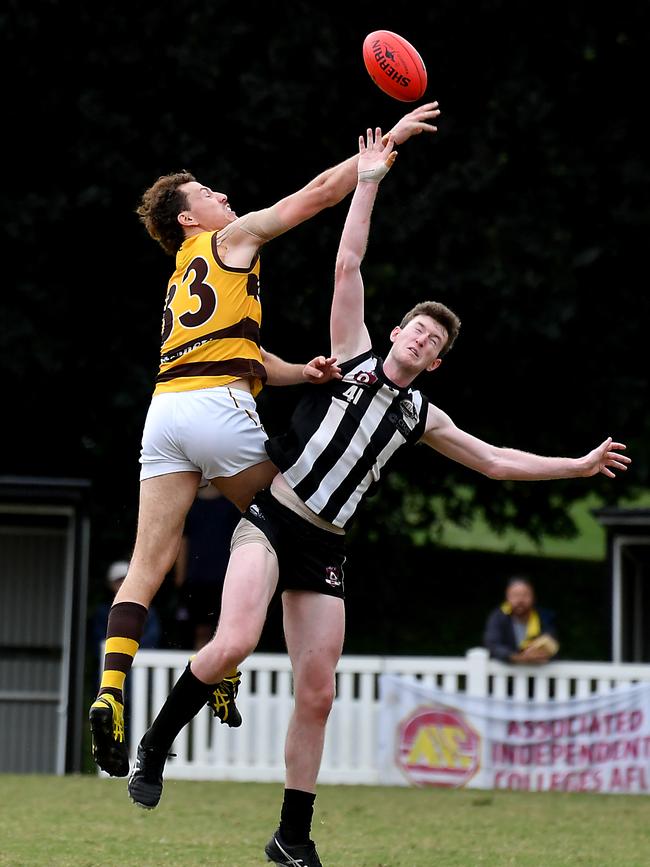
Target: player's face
[
  {"x": 205, "y": 208},
  {"x": 418, "y": 344},
  {"x": 520, "y": 597}
]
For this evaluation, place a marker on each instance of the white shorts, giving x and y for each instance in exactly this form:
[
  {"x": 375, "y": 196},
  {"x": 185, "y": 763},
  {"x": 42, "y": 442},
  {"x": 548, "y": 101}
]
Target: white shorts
[{"x": 214, "y": 431}]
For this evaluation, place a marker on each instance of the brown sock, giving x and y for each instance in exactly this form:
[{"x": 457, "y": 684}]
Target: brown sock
[{"x": 123, "y": 634}]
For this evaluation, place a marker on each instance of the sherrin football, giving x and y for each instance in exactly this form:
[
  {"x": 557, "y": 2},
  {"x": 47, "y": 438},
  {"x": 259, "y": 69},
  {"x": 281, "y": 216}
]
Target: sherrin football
[{"x": 394, "y": 65}]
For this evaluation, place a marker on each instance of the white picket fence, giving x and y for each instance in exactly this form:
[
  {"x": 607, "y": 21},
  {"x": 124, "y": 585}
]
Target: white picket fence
[{"x": 208, "y": 750}]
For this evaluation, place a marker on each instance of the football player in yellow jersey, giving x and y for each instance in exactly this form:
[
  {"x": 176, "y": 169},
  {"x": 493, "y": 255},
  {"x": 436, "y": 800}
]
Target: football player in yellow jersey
[{"x": 202, "y": 424}]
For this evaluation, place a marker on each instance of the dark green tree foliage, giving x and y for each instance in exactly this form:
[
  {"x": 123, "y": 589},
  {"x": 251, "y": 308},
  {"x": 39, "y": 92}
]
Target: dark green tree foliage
[{"x": 528, "y": 214}]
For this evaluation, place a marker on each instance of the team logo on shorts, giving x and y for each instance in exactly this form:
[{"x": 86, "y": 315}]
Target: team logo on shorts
[{"x": 333, "y": 576}]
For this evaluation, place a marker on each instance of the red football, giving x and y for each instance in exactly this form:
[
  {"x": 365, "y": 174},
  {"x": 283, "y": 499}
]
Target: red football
[{"x": 394, "y": 65}]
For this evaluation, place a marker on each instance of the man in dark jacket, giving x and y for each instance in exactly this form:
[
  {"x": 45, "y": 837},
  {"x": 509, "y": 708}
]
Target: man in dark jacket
[{"x": 517, "y": 631}]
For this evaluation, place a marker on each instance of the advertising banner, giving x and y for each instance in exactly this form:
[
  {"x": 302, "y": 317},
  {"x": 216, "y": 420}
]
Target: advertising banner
[{"x": 596, "y": 744}]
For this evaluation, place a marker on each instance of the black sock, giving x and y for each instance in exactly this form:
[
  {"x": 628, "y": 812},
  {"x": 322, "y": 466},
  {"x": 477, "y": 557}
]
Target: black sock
[
  {"x": 295, "y": 819},
  {"x": 186, "y": 699}
]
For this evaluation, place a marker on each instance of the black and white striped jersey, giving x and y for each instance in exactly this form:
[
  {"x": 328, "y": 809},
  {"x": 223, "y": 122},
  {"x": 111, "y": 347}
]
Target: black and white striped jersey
[{"x": 343, "y": 434}]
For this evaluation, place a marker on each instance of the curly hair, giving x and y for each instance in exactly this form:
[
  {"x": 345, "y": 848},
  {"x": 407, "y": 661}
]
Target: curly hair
[
  {"x": 159, "y": 209},
  {"x": 442, "y": 315}
]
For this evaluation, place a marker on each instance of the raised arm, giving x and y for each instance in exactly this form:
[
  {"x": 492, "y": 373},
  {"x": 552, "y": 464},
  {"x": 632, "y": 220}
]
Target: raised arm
[
  {"x": 324, "y": 191},
  {"x": 330, "y": 187},
  {"x": 348, "y": 330},
  {"x": 503, "y": 463}
]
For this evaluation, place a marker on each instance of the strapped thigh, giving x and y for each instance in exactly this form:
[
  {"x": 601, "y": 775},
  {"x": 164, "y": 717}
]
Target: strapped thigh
[{"x": 245, "y": 533}]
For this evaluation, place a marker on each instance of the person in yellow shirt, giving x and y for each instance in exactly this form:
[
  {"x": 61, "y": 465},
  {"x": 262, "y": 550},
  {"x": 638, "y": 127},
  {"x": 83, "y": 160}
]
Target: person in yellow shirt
[{"x": 202, "y": 425}]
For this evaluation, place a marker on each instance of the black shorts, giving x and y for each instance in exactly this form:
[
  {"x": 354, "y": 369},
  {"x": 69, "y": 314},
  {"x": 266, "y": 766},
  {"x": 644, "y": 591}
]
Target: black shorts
[{"x": 309, "y": 558}]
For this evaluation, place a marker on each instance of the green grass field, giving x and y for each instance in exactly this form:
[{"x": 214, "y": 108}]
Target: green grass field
[{"x": 88, "y": 821}]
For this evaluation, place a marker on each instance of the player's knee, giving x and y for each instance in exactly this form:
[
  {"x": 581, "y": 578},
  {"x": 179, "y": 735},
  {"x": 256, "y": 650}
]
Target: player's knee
[
  {"x": 225, "y": 653},
  {"x": 315, "y": 698}
]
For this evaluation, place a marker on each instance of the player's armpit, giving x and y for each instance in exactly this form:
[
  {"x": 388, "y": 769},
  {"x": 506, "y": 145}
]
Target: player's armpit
[{"x": 437, "y": 420}]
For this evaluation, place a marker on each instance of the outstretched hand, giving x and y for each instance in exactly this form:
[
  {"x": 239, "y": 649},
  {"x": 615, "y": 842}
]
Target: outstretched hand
[
  {"x": 321, "y": 370},
  {"x": 415, "y": 122},
  {"x": 375, "y": 157},
  {"x": 605, "y": 458}
]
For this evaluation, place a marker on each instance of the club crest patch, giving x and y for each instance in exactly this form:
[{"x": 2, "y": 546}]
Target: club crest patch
[
  {"x": 408, "y": 408},
  {"x": 333, "y": 576}
]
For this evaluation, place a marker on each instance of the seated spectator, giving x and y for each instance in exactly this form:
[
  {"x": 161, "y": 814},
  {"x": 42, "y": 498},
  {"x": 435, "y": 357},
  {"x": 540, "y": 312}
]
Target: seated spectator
[{"x": 517, "y": 631}]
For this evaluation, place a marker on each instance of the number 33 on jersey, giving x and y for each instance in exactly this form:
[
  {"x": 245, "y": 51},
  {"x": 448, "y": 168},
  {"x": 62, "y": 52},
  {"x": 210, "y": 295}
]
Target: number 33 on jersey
[{"x": 211, "y": 322}]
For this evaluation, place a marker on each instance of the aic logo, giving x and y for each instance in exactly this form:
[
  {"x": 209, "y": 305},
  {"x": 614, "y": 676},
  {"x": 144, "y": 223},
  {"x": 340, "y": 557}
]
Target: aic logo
[{"x": 436, "y": 746}]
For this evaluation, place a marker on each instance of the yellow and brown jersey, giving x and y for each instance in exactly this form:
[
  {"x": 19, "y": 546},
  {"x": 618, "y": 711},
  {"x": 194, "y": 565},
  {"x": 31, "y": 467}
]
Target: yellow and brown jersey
[{"x": 211, "y": 322}]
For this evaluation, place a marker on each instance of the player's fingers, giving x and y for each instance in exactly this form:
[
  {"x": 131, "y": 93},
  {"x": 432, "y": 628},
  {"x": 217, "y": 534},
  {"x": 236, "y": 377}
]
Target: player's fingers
[
  {"x": 362, "y": 144},
  {"x": 617, "y": 446},
  {"x": 607, "y": 472},
  {"x": 616, "y": 464},
  {"x": 377, "y": 136},
  {"x": 391, "y": 158},
  {"x": 369, "y": 138}
]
